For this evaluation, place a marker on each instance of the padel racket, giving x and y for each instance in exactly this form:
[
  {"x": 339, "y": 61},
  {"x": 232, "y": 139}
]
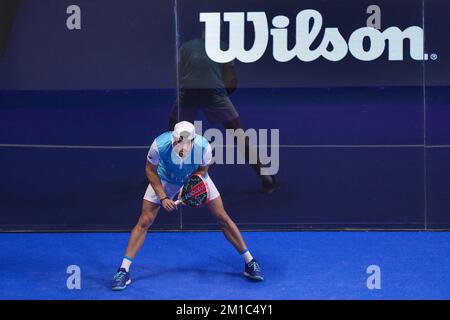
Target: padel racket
[{"x": 194, "y": 192}]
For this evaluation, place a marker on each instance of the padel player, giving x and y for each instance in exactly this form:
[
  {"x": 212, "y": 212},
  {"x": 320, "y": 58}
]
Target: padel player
[{"x": 173, "y": 157}]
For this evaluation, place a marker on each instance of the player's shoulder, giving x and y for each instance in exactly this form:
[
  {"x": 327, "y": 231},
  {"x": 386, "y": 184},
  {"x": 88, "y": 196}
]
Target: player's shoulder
[
  {"x": 191, "y": 41},
  {"x": 201, "y": 141},
  {"x": 191, "y": 44},
  {"x": 163, "y": 140},
  {"x": 165, "y": 136}
]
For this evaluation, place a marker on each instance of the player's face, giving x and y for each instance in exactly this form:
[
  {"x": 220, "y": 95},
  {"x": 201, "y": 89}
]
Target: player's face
[{"x": 182, "y": 148}]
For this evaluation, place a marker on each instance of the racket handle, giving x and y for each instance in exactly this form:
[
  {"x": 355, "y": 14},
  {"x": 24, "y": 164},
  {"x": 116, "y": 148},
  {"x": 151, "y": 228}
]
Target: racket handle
[{"x": 178, "y": 202}]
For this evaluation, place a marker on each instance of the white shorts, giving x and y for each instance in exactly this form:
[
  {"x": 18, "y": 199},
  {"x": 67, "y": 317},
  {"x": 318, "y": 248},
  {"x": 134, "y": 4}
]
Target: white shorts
[{"x": 171, "y": 190}]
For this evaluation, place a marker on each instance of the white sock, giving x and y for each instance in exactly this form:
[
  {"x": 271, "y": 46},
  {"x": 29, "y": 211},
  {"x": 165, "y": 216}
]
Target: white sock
[
  {"x": 126, "y": 263},
  {"x": 246, "y": 255}
]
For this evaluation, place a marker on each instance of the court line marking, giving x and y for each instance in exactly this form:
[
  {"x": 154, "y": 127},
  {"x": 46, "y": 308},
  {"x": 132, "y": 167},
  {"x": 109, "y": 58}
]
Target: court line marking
[
  {"x": 56, "y": 146},
  {"x": 438, "y": 146}
]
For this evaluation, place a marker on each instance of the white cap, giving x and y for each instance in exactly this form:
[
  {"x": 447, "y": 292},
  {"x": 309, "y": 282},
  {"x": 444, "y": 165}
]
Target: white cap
[{"x": 184, "y": 129}]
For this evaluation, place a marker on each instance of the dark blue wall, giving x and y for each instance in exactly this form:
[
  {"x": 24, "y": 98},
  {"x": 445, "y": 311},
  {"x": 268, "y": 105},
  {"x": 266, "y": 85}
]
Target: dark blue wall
[{"x": 364, "y": 144}]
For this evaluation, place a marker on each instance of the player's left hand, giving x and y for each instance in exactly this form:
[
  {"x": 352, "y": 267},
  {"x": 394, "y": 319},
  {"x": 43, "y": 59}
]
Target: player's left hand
[{"x": 169, "y": 205}]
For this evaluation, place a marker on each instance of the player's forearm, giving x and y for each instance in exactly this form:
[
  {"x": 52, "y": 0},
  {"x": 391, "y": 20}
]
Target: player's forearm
[
  {"x": 230, "y": 79},
  {"x": 232, "y": 84}
]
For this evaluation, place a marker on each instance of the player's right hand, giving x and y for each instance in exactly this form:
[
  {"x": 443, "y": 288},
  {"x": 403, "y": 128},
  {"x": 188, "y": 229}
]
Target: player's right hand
[{"x": 169, "y": 204}]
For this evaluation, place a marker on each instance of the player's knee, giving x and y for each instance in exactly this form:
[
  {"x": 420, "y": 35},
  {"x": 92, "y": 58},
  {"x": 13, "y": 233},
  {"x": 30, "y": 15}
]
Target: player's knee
[
  {"x": 145, "y": 222},
  {"x": 224, "y": 220}
]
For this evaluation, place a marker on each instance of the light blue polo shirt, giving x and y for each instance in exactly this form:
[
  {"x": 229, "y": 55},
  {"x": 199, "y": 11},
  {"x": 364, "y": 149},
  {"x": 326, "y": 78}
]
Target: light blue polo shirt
[{"x": 171, "y": 167}]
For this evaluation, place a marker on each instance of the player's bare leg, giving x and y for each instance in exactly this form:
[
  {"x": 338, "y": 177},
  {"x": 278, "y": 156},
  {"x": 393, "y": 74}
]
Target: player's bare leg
[
  {"x": 229, "y": 228},
  {"x": 233, "y": 235},
  {"x": 137, "y": 237},
  {"x": 139, "y": 232}
]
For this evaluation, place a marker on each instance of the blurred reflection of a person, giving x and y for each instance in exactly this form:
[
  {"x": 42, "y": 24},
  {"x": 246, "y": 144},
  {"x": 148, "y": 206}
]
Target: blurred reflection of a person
[
  {"x": 206, "y": 85},
  {"x": 8, "y": 11}
]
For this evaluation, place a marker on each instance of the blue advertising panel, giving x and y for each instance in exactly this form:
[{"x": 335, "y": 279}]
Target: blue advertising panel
[{"x": 355, "y": 94}]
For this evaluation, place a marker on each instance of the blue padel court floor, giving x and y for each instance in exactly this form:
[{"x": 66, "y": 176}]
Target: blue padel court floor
[{"x": 202, "y": 265}]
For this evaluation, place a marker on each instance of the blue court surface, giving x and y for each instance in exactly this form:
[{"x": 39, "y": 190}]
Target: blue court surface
[{"x": 202, "y": 265}]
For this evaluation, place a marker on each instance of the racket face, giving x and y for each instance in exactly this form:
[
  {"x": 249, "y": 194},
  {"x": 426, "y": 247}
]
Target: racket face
[{"x": 195, "y": 191}]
